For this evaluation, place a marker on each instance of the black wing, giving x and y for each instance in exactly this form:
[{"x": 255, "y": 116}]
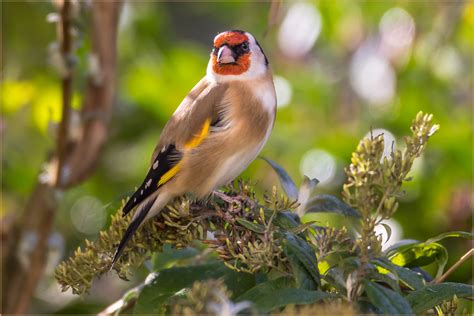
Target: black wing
[{"x": 166, "y": 159}]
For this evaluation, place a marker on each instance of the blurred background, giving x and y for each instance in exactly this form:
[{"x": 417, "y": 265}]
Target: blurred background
[{"x": 340, "y": 68}]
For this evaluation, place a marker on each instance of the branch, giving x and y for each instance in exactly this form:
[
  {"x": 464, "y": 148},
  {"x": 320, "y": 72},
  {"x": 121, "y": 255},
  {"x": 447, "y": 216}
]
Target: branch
[
  {"x": 22, "y": 269},
  {"x": 461, "y": 260},
  {"x": 98, "y": 102},
  {"x": 66, "y": 50}
]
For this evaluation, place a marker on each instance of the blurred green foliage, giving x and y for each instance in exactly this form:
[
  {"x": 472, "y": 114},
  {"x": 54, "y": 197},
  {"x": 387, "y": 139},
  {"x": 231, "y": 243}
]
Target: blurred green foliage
[{"x": 163, "y": 52}]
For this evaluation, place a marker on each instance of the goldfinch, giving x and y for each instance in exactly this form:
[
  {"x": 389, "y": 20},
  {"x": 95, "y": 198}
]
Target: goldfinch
[{"x": 214, "y": 134}]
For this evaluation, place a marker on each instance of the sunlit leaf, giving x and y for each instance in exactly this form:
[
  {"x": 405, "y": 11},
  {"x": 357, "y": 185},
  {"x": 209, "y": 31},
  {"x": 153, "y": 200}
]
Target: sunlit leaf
[
  {"x": 399, "y": 245},
  {"x": 420, "y": 254}
]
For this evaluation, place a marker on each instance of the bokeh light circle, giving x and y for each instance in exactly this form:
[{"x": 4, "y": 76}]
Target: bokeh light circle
[
  {"x": 319, "y": 164},
  {"x": 299, "y": 30},
  {"x": 388, "y": 138},
  {"x": 88, "y": 215},
  {"x": 284, "y": 91},
  {"x": 397, "y": 28},
  {"x": 371, "y": 76}
]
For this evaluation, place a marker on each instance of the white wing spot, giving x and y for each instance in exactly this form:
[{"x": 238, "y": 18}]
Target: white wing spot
[
  {"x": 155, "y": 165},
  {"x": 163, "y": 149},
  {"x": 148, "y": 183},
  {"x": 134, "y": 199},
  {"x": 141, "y": 192}
]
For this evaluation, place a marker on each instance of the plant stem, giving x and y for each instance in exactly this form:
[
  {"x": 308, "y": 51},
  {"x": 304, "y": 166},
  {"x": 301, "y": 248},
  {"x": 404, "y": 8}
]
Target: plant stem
[{"x": 461, "y": 260}]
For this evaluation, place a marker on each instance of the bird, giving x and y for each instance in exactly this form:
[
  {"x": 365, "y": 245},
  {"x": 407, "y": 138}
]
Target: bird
[{"x": 218, "y": 129}]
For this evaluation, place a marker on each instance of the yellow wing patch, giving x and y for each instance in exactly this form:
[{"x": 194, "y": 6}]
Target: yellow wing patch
[
  {"x": 169, "y": 174},
  {"x": 197, "y": 139}
]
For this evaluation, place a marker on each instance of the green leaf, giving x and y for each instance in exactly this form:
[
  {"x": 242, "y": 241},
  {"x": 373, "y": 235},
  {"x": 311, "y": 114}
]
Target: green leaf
[
  {"x": 374, "y": 275},
  {"x": 407, "y": 276},
  {"x": 325, "y": 203},
  {"x": 386, "y": 300},
  {"x": 432, "y": 295},
  {"x": 286, "y": 181},
  {"x": 268, "y": 300},
  {"x": 161, "y": 286},
  {"x": 303, "y": 261},
  {"x": 388, "y": 229},
  {"x": 251, "y": 226},
  {"x": 286, "y": 220},
  {"x": 267, "y": 288},
  {"x": 420, "y": 254},
  {"x": 170, "y": 256},
  {"x": 400, "y": 244},
  {"x": 455, "y": 234}
]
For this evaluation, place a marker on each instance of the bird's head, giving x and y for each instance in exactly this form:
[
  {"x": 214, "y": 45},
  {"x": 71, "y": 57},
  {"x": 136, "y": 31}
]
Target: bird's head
[{"x": 236, "y": 55}]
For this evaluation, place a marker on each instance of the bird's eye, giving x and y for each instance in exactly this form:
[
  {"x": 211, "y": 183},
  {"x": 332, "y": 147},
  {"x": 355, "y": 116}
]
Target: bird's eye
[
  {"x": 245, "y": 46},
  {"x": 214, "y": 50}
]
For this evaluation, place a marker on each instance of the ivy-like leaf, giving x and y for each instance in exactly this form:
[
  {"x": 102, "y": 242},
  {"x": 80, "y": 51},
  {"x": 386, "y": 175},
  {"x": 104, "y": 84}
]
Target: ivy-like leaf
[
  {"x": 286, "y": 181},
  {"x": 432, "y": 295},
  {"x": 325, "y": 203},
  {"x": 386, "y": 300}
]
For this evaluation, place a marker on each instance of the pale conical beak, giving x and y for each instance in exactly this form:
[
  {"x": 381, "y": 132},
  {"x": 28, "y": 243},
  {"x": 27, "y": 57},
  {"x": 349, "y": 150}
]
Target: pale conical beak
[{"x": 225, "y": 55}]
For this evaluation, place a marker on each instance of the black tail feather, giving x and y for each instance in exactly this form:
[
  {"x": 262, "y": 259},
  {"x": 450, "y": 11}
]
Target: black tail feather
[{"x": 136, "y": 222}]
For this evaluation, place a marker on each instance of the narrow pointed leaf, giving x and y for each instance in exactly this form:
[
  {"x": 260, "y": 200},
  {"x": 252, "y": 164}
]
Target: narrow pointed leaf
[
  {"x": 251, "y": 226},
  {"x": 303, "y": 261},
  {"x": 455, "y": 234},
  {"x": 325, "y": 203},
  {"x": 407, "y": 276},
  {"x": 386, "y": 300},
  {"x": 286, "y": 181}
]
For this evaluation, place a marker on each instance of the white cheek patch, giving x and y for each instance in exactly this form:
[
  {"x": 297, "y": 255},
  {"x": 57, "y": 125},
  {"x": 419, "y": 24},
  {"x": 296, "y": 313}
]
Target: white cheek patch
[{"x": 258, "y": 66}]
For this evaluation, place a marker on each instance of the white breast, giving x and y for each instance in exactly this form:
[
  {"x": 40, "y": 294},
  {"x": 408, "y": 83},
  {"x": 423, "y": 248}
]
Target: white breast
[
  {"x": 235, "y": 164},
  {"x": 265, "y": 91}
]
